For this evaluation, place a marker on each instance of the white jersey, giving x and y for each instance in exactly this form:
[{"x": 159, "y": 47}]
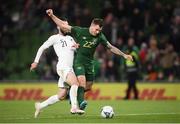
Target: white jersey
[{"x": 63, "y": 46}]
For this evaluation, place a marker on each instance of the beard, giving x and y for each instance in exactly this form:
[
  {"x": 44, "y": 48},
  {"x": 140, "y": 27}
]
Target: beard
[{"x": 63, "y": 32}]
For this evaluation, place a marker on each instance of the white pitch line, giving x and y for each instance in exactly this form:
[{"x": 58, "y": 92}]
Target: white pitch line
[
  {"x": 148, "y": 114},
  {"x": 140, "y": 114},
  {"x": 86, "y": 115}
]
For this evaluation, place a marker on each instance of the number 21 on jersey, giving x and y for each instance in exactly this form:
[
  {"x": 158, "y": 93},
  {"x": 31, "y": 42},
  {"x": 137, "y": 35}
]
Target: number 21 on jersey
[{"x": 63, "y": 42}]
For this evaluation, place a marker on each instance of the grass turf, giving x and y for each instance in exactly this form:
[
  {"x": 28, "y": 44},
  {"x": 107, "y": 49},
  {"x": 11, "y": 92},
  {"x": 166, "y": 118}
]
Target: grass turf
[{"x": 125, "y": 111}]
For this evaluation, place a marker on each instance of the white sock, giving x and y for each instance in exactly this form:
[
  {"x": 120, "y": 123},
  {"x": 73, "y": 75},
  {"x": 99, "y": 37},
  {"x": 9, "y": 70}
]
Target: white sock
[
  {"x": 73, "y": 96},
  {"x": 51, "y": 100}
]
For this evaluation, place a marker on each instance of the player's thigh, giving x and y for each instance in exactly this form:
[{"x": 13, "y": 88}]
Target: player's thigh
[
  {"x": 62, "y": 83},
  {"x": 71, "y": 79},
  {"x": 89, "y": 72},
  {"x": 62, "y": 93},
  {"x": 80, "y": 73},
  {"x": 89, "y": 76},
  {"x": 79, "y": 69},
  {"x": 67, "y": 75}
]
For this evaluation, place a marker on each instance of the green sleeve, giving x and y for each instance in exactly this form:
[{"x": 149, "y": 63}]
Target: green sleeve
[
  {"x": 104, "y": 40},
  {"x": 75, "y": 31}
]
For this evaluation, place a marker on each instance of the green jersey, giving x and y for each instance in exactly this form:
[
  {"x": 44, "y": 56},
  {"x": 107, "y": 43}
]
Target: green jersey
[{"x": 88, "y": 43}]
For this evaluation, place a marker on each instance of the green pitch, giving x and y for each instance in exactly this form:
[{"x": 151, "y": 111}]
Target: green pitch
[{"x": 125, "y": 111}]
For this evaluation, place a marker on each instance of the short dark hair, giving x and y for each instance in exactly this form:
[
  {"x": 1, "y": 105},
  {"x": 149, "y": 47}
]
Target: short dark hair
[
  {"x": 98, "y": 21},
  {"x": 63, "y": 18}
]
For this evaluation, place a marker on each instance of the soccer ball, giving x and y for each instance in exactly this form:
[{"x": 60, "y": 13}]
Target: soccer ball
[{"x": 107, "y": 112}]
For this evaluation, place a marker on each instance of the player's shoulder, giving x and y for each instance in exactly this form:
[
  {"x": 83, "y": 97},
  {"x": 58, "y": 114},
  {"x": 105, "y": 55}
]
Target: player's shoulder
[
  {"x": 69, "y": 37},
  {"x": 53, "y": 36},
  {"x": 85, "y": 29},
  {"x": 79, "y": 28},
  {"x": 101, "y": 34},
  {"x": 102, "y": 37}
]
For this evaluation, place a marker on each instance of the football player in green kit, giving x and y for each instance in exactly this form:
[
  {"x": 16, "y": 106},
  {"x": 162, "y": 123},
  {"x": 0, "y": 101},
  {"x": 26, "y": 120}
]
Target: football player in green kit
[{"x": 88, "y": 39}]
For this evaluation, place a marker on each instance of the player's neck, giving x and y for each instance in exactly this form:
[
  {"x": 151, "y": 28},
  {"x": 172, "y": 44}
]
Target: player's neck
[{"x": 60, "y": 33}]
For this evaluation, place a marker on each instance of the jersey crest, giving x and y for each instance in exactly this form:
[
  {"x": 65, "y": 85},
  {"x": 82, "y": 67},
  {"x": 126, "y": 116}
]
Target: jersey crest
[{"x": 84, "y": 38}]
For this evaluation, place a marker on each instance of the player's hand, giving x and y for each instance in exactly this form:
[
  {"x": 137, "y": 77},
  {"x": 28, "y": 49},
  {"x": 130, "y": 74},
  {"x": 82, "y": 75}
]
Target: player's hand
[
  {"x": 76, "y": 45},
  {"x": 128, "y": 57},
  {"x": 49, "y": 12},
  {"x": 33, "y": 66}
]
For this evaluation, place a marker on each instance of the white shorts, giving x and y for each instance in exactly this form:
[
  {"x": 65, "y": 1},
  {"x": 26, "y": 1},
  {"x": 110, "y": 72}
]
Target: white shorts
[
  {"x": 62, "y": 84},
  {"x": 63, "y": 75}
]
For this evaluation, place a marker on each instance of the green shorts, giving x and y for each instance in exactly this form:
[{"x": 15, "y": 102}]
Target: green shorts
[{"x": 85, "y": 69}]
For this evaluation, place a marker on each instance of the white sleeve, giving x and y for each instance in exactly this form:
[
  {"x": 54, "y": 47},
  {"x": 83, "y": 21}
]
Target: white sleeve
[{"x": 45, "y": 45}]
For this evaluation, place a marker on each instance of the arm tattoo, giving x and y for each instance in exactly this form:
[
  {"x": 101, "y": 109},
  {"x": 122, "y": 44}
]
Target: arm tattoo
[{"x": 115, "y": 50}]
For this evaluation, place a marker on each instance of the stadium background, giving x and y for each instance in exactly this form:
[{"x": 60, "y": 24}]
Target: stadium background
[{"x": 153, "y": 26}]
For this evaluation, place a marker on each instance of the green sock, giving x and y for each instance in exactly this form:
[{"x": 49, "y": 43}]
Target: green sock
[{"x": 80, "y": 95}]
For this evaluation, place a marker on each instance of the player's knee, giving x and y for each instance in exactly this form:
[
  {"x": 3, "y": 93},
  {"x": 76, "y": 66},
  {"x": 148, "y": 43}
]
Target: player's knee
[
  {"x": 62, "y": 94},
  {"x": 82, "y": 81},
  {"x": 61, "y": 97}
]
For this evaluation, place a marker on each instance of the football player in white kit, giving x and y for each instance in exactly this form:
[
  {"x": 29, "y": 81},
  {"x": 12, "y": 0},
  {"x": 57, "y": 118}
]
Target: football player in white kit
[{"x": 64, "y": 46}]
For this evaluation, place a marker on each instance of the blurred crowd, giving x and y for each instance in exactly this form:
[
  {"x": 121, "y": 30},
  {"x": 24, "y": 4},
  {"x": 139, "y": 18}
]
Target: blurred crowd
[{"x": 150, "y": 28}]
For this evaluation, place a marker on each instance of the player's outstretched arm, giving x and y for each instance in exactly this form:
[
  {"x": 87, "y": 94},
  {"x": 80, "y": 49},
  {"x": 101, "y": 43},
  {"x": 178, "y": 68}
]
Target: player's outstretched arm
[
  {"x": 119, "y": 52},
  {"x": 38, "y": 55},
  {"x": 36, "y": 60},
  {"x": 41, "y": 49},
  {"x": 64, "y": 26}
]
